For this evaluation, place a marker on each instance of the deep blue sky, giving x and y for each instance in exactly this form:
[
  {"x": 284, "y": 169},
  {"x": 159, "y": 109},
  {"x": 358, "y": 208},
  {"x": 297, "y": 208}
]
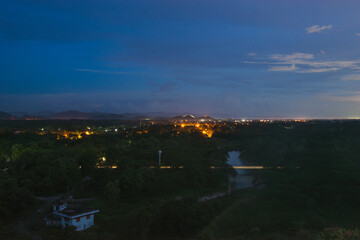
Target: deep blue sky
[{"x": 253, "y": 58}]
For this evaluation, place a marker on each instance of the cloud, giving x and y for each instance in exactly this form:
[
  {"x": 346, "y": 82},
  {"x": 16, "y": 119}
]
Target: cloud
[
  {"x": 322, "y": 52},
  {"x": 357, "y": 34},
  {"x": 342, "y": 97},
  {"x": 317, "y": 28},
  {"x": 293, "y": 56},
  {"x": 251, "y": 54},
  {"x": 319, "y": 70},
  {"x": 337, "y": 63},
  {"x": 283, "y": 68},
  {"x": 305, "y": 63},
  {"x": 351, "y": 77},
  {"x": 102, "y": 71}
]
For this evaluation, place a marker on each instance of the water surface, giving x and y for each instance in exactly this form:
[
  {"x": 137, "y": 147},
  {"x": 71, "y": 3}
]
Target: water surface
[{"x": 242, "y": 178}]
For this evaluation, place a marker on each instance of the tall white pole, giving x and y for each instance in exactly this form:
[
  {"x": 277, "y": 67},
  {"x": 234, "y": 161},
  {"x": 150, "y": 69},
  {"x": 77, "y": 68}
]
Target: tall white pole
[{"x": 159, "y": 157}]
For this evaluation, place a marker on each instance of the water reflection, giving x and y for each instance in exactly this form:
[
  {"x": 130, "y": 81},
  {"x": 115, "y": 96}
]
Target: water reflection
[{"x": 242, "y": 178}]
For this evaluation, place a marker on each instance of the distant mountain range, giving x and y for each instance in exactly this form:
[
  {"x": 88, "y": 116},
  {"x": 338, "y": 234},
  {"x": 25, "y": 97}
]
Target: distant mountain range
[
  {"x": 190, "y": 117},
  {"x": 72, "y": 114}
]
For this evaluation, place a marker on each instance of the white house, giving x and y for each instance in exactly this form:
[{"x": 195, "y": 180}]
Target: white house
[
  {"x": 59, "y": 206},
  {"x": 65, "y": 215}
]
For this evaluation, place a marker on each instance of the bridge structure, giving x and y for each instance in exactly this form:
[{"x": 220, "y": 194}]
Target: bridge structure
[
  {"x": 212, "y": 167},
  {"x": 216, "y": 167}
]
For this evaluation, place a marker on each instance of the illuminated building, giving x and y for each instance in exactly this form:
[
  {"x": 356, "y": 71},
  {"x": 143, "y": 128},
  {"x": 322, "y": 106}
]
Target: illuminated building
[{"x": 66, "y": 215}]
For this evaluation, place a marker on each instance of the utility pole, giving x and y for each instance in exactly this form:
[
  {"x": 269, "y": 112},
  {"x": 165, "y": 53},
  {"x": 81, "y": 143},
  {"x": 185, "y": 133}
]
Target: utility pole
[{"x": 159, "y": 158}]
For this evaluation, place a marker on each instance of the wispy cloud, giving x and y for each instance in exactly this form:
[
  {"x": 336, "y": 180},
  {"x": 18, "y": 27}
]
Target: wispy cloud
[
  {"x": 293, "y": 68},
  {"x": 305, "y": 63},
  {"x": 355, "y": 64},
  {"x": 283, "y": 68},
  {"x": 317, "y": 28},
  {"x": 351, "y": 77},
  {"x": 102, "y": 71},
  {"x": 251, "y": 54},
  {"x": 357, "y": 34},
  {"x": 319, "y": 70},
  {"x": 342, "y": 97},
  {"x": 291, "y": 57}
]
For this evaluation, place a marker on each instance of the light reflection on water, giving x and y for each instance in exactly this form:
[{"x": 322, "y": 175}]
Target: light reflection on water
[{"x": 242, "y": 179}]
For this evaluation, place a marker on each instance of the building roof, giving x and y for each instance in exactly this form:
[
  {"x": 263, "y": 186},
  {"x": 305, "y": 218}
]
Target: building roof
[
  {"x": 73, "y": 211},
  {"x": 52, "y": 217}
]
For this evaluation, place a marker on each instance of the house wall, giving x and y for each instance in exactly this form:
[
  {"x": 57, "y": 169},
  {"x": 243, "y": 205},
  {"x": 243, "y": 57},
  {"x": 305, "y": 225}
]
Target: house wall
[
  {"x": 84, "y": 223},
  {"x": 65, "y": 221}
]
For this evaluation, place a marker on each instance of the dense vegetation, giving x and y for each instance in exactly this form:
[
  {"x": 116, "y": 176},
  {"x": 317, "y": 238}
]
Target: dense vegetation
[
  {"x": 314, "y": 195},
  {"x": 317, "y": 188}
]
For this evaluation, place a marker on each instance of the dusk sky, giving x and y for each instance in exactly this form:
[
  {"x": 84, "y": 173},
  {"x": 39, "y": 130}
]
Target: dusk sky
[{"x": 254, "y": 58}]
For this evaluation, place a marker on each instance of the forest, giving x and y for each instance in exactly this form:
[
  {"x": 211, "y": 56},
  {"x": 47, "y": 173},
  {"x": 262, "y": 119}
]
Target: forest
[{"x": 309, "y": 187}]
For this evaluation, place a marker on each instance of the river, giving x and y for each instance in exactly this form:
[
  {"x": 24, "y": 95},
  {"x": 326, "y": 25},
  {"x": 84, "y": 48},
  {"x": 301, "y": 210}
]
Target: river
[{"x": 242, "y": 178}]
